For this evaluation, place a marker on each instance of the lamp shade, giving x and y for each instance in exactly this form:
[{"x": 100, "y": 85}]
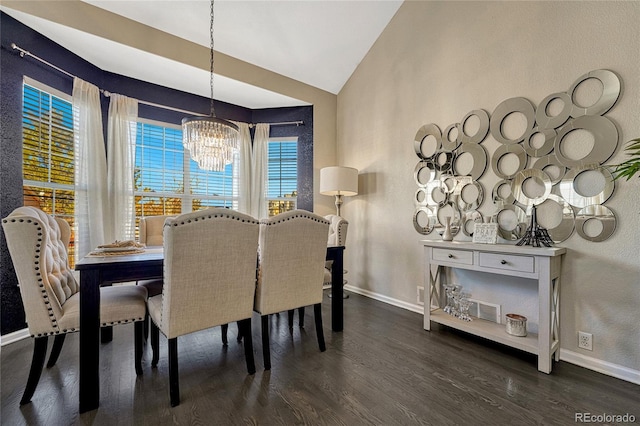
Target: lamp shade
[{"x": 338, "y": 180}]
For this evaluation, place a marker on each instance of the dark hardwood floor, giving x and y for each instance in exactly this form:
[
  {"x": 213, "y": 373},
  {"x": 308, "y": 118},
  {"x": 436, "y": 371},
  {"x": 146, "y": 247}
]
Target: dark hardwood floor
[{"x": 384, "y": 369}]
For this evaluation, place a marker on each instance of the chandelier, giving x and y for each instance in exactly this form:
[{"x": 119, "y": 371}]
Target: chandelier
[{"x": 211, "y": 141}]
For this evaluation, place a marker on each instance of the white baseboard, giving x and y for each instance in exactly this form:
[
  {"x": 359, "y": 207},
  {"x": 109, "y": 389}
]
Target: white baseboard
[
  {"x": 604, "y": 367},
  {"x": 413, "y": 307},
  {"x": 14, "y": 337}
]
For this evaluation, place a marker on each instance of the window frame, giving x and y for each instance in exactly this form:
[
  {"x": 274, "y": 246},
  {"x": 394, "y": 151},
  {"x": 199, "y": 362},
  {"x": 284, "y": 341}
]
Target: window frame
[
  {"x": 29, "y": 185},
  {"x": 282, "y": 199}
]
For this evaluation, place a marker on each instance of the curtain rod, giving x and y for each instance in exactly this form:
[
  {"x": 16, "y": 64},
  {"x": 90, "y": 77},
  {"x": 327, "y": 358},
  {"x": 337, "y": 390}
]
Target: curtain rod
[{"x": 106, "y": 93}]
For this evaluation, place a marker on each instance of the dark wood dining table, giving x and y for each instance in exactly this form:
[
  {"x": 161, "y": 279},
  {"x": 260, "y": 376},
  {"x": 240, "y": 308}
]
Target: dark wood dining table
[{"x": 97, "y": 271}]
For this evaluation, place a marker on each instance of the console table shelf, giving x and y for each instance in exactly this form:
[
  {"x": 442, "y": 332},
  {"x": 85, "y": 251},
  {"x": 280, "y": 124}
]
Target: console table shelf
[{"x": 538, "y": 263}]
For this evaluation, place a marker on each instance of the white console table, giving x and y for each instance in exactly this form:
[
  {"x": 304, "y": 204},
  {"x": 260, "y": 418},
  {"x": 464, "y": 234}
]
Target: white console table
[{"x": 542, "y": 264}]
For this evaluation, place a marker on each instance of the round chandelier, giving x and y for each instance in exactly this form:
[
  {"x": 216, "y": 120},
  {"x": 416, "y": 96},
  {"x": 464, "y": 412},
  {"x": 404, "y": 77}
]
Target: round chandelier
[{"x": 211, "y": 141}]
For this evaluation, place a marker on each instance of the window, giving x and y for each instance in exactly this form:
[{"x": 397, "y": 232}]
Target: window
[
  {"x": 169, "y": 182},
  {"x": 282, "y": 175},
  {"x": 48, "y": 152}
]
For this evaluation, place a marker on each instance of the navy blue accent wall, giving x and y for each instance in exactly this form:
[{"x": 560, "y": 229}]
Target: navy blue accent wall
[{"x": 12, "y": 70}]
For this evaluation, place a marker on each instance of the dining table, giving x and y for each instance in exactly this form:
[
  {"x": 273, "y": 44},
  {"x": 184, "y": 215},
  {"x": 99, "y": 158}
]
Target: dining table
[{"x": 109, "y": 268}]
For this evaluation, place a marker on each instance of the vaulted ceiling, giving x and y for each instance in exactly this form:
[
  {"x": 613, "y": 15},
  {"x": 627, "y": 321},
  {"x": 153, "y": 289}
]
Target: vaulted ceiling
[{"x": 319, "y": 43}]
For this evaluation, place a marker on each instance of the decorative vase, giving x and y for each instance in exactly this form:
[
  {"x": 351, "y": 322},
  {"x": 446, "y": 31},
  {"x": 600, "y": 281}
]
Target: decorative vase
[{"x": 446, "y": 235}]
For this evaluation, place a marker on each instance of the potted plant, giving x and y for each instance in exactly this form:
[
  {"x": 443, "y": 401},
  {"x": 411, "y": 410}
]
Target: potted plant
[{"x": 631, "y": 167}]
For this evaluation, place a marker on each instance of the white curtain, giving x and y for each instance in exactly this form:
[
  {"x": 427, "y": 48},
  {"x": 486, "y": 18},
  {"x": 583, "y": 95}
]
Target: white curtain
[
  {"x": 245, "y": 172},
  {"x": 121, "y": 142},
  {"x": 259, "y": 208},
  {"x": 90, "y": 168}
]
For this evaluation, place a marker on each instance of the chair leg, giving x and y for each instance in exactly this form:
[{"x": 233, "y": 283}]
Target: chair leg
[
  {"x": 266, "y": 355},
  {"x": 245, "y": 326},
  {"x": 317, "y": 313},
  {"x": 240, "y": 331},
  {"x": 58, "y": 341},
  {"x": 106, "y": 334},
  {"x": 37, "y": 362},
  {"x": 301, "y": 317},
  {"x": 225, "y": 328},
  {"x": 290, "y": 318},
  {"x": 138, "y": 335},
  {"x": 155, "y": 344},
  {"x": 146, "y": 327},
  {"x": 174, "y": 381}
]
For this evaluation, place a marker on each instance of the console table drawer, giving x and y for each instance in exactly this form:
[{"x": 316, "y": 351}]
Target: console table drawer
[
  {"x": 509, "y": 262},
  {"x": 464, "y": 257}
]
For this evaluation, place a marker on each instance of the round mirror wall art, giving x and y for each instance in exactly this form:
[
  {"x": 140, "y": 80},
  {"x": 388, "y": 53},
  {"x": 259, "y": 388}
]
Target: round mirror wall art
[
  {"x": 451, "y": 137},
  {"x": 540, "y": 151},
  {"x": 505, "y": 109},
  {"x": 427, "y": 133},
  {"x": 483, "y": 127}
]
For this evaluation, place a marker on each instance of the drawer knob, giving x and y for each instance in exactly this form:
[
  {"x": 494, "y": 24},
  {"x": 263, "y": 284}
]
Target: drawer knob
[
  {"x": 450, "y": 256},
  {"x": 504, "y": 262}
]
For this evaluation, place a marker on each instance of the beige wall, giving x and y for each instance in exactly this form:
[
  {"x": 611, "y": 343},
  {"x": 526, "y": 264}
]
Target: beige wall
[{"x": 437, "y": 61}]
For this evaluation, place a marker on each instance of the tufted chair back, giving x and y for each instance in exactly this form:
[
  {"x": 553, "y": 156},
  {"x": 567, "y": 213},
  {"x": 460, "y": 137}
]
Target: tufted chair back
[
  {"x": 337, "y": 237},
  {"x": 293, "y": 247},
  {"x": 337, "y": 230},
  {"x": 151, "y": 230},
  {"x": 209, "y": 271},
  {"x": 38, "y": 248}
]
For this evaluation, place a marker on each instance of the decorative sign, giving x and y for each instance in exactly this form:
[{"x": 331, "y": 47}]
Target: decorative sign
[{"x": 485, "y": 233}]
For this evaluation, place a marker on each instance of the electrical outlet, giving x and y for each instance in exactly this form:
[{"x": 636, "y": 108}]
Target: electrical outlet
[
  {"x": 585, "y": 340},
  {"x": 420, "y": 295}
]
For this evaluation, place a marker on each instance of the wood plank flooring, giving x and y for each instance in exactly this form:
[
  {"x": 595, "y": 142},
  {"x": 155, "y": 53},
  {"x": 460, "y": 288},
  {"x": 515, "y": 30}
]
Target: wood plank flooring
[{"x": 384, "y": 369}]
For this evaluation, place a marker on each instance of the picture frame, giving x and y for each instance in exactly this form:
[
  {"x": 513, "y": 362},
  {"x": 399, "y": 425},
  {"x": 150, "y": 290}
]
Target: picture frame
[{"x": 485, "y": 233}]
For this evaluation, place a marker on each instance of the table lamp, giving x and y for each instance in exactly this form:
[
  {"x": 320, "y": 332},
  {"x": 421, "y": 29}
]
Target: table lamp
[{"x": 339, "y": 181}]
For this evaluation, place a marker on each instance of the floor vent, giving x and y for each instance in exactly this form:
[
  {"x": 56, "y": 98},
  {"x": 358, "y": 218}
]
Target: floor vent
[{"x": 485, "y": 310}]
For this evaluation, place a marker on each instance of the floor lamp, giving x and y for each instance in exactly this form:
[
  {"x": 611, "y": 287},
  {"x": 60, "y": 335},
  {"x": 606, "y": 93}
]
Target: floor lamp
[{"x": 339, "y": 181}]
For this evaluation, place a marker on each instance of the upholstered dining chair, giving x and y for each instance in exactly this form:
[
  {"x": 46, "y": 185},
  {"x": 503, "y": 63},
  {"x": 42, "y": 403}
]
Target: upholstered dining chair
[
  {"x": 337, "y": 237},
  {"x": 210, "y": 261},
  {"x": 291, "y": 258},
  {"x": 150, "y": 234},
  {"x": 50, "y": 294}
]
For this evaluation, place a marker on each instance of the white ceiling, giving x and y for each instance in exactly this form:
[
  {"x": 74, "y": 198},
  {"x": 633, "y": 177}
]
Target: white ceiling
[{"x": 319, "y": 43}]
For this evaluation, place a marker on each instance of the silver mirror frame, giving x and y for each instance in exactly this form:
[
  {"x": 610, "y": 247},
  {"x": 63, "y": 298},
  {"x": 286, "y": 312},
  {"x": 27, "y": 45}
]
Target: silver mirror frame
[
  {"x": 483, "y": 129},
  {"x": 565, "y": 228},
  {"x": 518, "y": 191},
  {"x": 547, "y": 146},
  {"x": 520, "y": 229},
  {"x": 448, "y": 144},
  {"x": 603, "y": 214},
  {"x": 550, "y": 160},
  {"x": 424, "y": 164},
  {"x": 421, "y": 134},
  {"x": 466, "y": 206},
  {"x": 568, "y": 192},
  {"x": 472, "y": 216},
  {"x": 479, "y": 155},
  {"x": 605, "y": 135},
  {"x": 545, "y": 121},
  {"x": 503, "y": 150},
  {"x": 610, "y": 93},
  {"x": 449, "y": 159},
  {"x": 509, "y": 106},
  {"x": 431, "y": 219},
  {"x": 495, "y": 193},
  {"x": 433, "y": 186}
]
